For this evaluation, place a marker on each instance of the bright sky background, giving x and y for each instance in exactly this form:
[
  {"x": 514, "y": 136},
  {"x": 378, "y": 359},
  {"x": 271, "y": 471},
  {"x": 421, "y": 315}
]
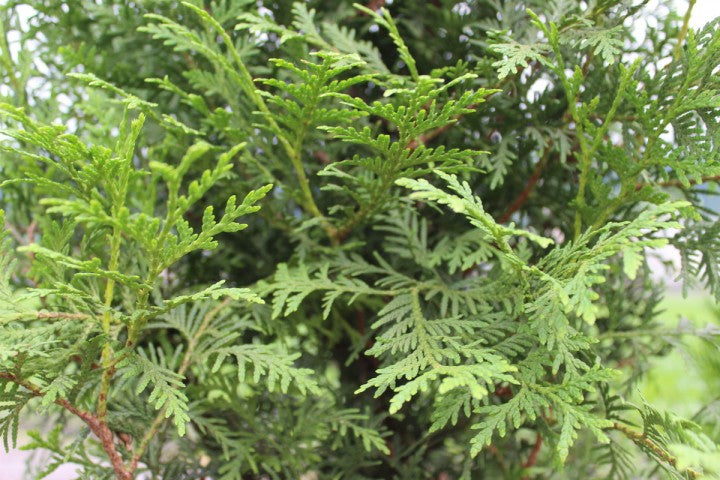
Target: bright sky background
[{"x": 703, "y": 12}]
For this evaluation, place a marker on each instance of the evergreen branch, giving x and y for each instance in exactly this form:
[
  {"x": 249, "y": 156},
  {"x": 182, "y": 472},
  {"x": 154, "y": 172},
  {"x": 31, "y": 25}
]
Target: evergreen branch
[
  {"x": 166, "y": 387},
  {"x": 96, "y": 425},
  {"x": 686, "y": 92},
  {"x": 118, "y": 206},
  {"x": 473, "y": 322},
  {"x": 406, "y": 154},
  {"x": 162, "y": 414},
  {"x": 587, "y": 153},
  {"x": 54, "y": 315},
  {"x": 658, "y": 451},
  {"x": 683, "y": 30},
  {"x": 678, "y": 183},
  {"x": 247, "y": 84},
  {"x": 428, "y": 137},
  {"x": 43, "y": 315},
  {"x": 384, "y": 18}
]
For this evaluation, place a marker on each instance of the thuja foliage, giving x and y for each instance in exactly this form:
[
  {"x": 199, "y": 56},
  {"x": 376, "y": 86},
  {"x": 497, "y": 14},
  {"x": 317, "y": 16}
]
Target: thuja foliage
[{"x": 323, "y": 240}]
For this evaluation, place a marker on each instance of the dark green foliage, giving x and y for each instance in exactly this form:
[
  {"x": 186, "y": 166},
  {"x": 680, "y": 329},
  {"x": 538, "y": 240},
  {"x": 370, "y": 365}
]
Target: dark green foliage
[{"x": 443, "y": 271}]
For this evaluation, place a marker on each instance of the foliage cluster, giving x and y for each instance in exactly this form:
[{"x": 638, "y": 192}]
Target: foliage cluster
[{"x": 449, "y": 212}]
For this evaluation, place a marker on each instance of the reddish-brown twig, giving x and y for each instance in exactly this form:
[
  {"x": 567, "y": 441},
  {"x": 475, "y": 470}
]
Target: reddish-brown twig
[
  {"x": 98, "y": 427},
  {"x": 642, "y": 440},
  {"x": 375, "y": 5},
  {"x": 532, "y": 458},
  {"x": 529, "y": 186}
]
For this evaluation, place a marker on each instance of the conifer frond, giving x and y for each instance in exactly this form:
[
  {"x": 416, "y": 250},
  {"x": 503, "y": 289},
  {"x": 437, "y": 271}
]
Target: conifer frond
[
  {"x": 266, "y": 360},
  {"x": 367, "y": 178},
  {"x": 290, "y": 287},
  {"x": 465, "y": 202},
  {"x": 699, "y": 247},
  {"x": 352, "y": 421},
  {"x": 661, "y": 433},
  {"x": 12, "y": 402},
  {"x": 8, "y": 304},
  {"x": 516, "y": 56},
  {"x": 166, "y": 386},
  {"x": 328, "y": 36},
  {"x": 431, "y": 351}
]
